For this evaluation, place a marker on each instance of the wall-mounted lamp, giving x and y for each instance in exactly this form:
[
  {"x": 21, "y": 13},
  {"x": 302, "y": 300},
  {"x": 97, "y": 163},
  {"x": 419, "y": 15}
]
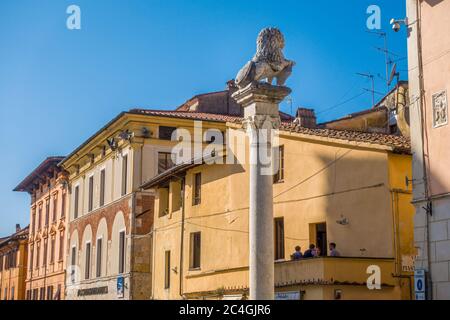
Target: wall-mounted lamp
[
  {"x": 343, "y": 221},
  {"x": 408, "y": 181}
]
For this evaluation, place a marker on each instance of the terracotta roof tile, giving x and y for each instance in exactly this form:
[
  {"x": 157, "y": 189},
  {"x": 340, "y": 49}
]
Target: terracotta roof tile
[
  {"x": 188, "y": 115},
  {"x": 398, "y": 143}
]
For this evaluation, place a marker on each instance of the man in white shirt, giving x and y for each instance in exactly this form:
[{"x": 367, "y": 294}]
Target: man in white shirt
[{"x": 333, "y": 251}]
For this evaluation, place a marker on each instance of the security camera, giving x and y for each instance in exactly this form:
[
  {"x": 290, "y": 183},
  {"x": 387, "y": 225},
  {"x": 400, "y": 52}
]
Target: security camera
[
  {"x": 396, "y": 27},
  {"x": 397, "y": 24}
]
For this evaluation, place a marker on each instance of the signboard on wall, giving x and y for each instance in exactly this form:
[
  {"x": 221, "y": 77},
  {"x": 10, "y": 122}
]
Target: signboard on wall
[
  {"x": 120, "y": 287},
  {"x": 419, "y": 284},
  {"x": 288, "y": 295}
]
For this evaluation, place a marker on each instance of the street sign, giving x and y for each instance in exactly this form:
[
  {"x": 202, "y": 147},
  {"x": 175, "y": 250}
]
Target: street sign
[
  {"x": 287, "y": 295},
  {"x": 419, "y": 284},
  {"x": 120, "y": 287}
]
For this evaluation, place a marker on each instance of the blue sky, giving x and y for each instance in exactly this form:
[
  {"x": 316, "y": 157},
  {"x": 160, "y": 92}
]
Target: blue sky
[{"x": 58, "y": 86}]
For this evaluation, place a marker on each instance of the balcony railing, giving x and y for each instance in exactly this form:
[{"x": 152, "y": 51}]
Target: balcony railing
[{"x": 328, "y": 270}]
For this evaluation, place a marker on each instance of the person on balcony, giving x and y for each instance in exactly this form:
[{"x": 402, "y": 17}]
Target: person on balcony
[
  {"x": 316, "y": 252},
  {"x": 309, "y": 253},
  {"x": 333, "y": 251},
  {"x": 297, "y": 255}
]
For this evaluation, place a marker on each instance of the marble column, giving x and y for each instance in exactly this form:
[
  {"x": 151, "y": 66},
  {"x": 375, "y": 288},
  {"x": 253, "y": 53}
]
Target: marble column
[{"x": 261, "y": 112}]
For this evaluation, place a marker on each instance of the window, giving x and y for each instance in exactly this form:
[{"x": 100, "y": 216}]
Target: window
[
  {"x": 47, "y": 212},
  {"x": 38, "y": 253},
  {"x": 164, "y": 161},
  {"x": 163, "y": 201},
  {"x": 61, "y": 246},
  {"x": 197, "y": 188},
  {"x": 42, "y": 295},
  {"x": 87, "y": 269},
  {"x": 63, "y": 205},
  {"x": 40, "y": 217},
  {"x": 33, "y": 219},
  {"x": 279, "y": 238},
  {"x": 279, "y": 175},
  {"x": 91, "y": 194},
  {"x": 102, "y": 187},
  {"x": 58, "y": 293},
  {"x": 165, "y": 133},
  {"x": 99, "y": 258},
  {"x": 73, "y": 264},
  {"x": 76, "y": 202},
  {"x": 35, "y": 294},
  {"x": 52, "y": 251},
  {"x": 30, "y": 266},
  {"x": 1, "y": 263},
  {"x": 50, "y": 293},
  {"x": 124, "y": 174},
  {"x": 194, "y": 248},
  {"x": 28, "y": 295},
  {"x": 122, "y": 252},
  {"x": 12, "y": 293},
  {"x": 55, "y": 207},
  {"x": 44, "y": 258},
  {"x": 167, "y": 270}
]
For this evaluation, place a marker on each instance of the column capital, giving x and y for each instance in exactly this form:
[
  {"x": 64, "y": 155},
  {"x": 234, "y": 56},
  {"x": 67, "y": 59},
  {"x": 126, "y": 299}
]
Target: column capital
[
  {"x": 256, "y": 122},
  {"x": 261, "y": 92}
]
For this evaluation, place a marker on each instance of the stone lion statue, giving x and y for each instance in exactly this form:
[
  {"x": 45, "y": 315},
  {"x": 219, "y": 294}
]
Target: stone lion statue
[{"x": 268, "y": 62}]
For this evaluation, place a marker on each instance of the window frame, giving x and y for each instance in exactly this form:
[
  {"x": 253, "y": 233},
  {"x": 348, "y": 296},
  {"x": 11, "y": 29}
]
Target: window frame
[
  {"x": 279, "y": 238},
  {"x": 122, "y": 251},
  {"x": 194, "y": 255},
  {"x": 278, "y": 177},
  {"x": 197, "y": 189},
  {"x": 167, "y": 269},
  {"x": 91, "y": 193},
  {"x": 124, "y": 186},
  {"x": 102, "y": 187},
  {"x": 98, "y": 257},
  {"x": 76, "y": 202}
]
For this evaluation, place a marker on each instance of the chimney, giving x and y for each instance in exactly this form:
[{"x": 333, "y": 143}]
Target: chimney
[
  {"x": 305, "y": 118},
  {"x": 17, "y": 227},
  {"x": 231, "y": 86}
]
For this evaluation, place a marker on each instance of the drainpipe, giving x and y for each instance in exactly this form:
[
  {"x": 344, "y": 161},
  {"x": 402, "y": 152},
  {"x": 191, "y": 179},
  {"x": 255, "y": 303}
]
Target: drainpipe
[
  {"x": 46, "y": 245},
  {"x": 183, "y": 184},
  {"x": 421, "y": 101},
  {"x": 133, "y": 224}
]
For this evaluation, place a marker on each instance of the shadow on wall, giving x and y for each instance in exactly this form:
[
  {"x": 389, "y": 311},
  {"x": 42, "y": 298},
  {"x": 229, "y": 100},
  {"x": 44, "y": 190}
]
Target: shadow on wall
[{"x": 433, "y": 2}]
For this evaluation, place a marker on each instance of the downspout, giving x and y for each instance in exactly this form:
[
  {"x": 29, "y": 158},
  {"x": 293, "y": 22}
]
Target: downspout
[
  {"x": 423, "y": 128},
  {"x": 394, "y": 207},
  {"x": 183, "y": 184},
  {"x": 46, "y": 245},
  {"x": 133, "y": 224},
  {"x": 9, "y": 280}
]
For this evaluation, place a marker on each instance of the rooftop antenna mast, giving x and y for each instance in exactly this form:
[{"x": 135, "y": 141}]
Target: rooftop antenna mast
[
  {"x": 386, "y": 52},
  {"x": 371, "y": 77}
]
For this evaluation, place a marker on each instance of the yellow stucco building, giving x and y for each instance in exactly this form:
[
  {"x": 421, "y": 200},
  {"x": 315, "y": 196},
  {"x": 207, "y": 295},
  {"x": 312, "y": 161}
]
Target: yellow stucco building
[
  {"x": 13, "y": 264},
  {"x": 333, "y": 186}
]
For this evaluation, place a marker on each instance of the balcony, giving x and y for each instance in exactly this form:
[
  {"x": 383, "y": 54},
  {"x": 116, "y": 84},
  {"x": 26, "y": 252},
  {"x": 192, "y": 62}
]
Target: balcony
[
  {"x": 313, "y": 271},
  {"x": 332, "y": 270}
]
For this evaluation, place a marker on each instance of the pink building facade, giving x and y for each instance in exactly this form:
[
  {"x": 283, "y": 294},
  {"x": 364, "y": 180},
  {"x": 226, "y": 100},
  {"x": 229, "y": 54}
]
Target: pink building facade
[{"x": 429, "y": 80}]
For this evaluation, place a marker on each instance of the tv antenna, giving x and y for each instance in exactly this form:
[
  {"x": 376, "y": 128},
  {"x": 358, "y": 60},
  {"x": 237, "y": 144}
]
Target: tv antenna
[
  {"x": 386, "y": 52},
  {"x": 371, "y": 77},
  {"x": 394, "y": 74}
]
